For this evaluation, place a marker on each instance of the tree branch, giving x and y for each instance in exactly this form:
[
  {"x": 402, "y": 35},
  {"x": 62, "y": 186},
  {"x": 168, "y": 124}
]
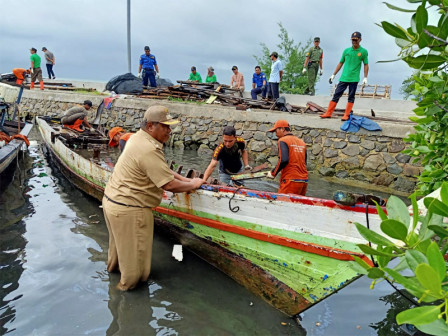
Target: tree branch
[
  {"x": 435, "y": 37},
  {"x": 436, "y": 103}
]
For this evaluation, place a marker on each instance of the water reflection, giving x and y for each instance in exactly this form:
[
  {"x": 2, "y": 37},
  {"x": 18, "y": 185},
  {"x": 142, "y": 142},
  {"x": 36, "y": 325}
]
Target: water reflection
[{"x": 14, "y": 206}]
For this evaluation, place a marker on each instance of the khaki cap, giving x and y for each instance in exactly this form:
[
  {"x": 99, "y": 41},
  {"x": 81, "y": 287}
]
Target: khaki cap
[{"x": 159, "y": 114}]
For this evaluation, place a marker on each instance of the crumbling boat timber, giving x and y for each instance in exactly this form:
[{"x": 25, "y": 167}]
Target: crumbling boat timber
[{"x": 293, "y": 251}]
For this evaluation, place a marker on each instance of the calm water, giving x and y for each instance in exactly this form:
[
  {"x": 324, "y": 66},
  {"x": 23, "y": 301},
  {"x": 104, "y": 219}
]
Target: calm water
[{"x": 53, "y": 279}]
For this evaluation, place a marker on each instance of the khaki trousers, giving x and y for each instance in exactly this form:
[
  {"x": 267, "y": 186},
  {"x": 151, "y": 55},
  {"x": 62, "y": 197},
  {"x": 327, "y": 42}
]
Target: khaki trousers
[
  {"x": 37, "y": 74},
  {"x": 130, "y": 242}
]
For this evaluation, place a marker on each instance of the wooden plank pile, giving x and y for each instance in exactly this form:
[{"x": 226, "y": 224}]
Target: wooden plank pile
[{"x": 212, "y": 93}]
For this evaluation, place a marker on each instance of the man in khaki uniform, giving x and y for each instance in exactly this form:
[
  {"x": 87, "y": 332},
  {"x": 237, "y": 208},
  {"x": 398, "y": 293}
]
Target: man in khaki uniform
[
  {"x": 134, "y": 189},
  {"x": 313, "y": 62}
]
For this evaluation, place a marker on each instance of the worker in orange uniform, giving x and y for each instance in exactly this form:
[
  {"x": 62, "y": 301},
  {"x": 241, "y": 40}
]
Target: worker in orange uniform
[
  {"x": 20, "y": 74},
  {"x": 118, "y": 137},
  {"x": 292, "y": 161}
]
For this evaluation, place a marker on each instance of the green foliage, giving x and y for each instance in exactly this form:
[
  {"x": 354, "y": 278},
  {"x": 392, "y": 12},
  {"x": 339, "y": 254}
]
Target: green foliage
[
  {"x": 420, "y": 243},
  {"x": 424, "y": 47},
  {"x": 292, "y": 56},
  {"x": 407, "y": 88}
]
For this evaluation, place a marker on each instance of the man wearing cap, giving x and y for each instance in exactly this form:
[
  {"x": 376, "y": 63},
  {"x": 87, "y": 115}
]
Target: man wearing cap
[
  {"x": 49, "y": 57},
  {"x": 237, "y": 80},
  {"x": 36, "y": 71},
  {"x": 292, "y": 161},
  {"x": 229, "y": 154},
  {"x": 313, "y": 62},
  {"x": 276, "y": 75},
  {"x": 118, "y": 137},
  {"x": 211, "y": 77},
  {"x": 258, "y": 84},
  {"x": 351, "y": 60},
  {"x": 76, "y": 116},
  {"x": 195, "y": 76},
  {"x": 133, "y": 191},
  {"x": 150, "y": 68}
]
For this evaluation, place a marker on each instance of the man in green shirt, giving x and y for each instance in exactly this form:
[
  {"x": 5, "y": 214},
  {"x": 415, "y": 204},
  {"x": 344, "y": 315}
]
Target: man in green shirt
[
  {"x": 313, "y": 62},
  {"x": 211, "y": 77},
  {"x": 351, "y": 60},
  {"x": 36, "y": 71},
  {"x": 195, "y": 76}
]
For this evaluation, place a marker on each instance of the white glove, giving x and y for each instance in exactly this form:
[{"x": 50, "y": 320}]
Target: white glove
[
  {"x": 321, "y": 72},
  {"x": 304, "y": 71},
  {"x": 364, "y": 81},
  {"x": 92, "y": 129},
  {"x": 248, "y": 167},
  {"x": 157, "y": 75},
  {"x": 331, "y": 79},
  {"x": 139, "y": 75},
  {"x": 269, "y": 175},
  {"x": 32, "y": 70}
]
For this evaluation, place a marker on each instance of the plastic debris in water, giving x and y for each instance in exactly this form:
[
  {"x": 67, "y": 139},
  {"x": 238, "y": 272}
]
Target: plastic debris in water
[
  {"x": 284, "y": 323},
  {"x": 177, "y": 252}
]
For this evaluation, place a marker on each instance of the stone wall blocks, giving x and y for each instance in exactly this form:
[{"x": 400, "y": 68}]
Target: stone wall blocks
[
  {"x": 328, "y": 142},
  {"x": 354, "y": 138},
  {"x": 403, "y": 184},
  {"x": 259, "y": 136},
  {"x": 396, "y": 146},
  {"x": 257, "y": 146},
  {"x": 383, "y": 139},
  {"x": 381, "y": 147},
  {"x": 359, "y": 176},
  {"x": 409, "y": 170},
  {"x": 273, "y": 151},
  {"x": 332, "y": 134},
  {"x": 372, "y": 162},
  {"x": 307, "y": 139},
  {"x": 318, "y": 139},
  {"x": 339, "y": 144},
  {"x": 314, "y": 133},
  {"x": 364, "y": 152},
  {"x": 402, "y": 158},
  {"x": 316, "y": 149},
  {"x": 264, "y": 128},
  {"x": 368, "y": 144},
  {"x": 389, "y": 159},
  {"x": 394, "y": 169},
  {"x": 341, "y": 135},
  {"x": 333, "y": 161},
  {"x": 351, "y": 150},
  {"x": 329, "y": 153},
  {"x": 351, "y": 163},
  {"x": 342, "y": 174},
  {"x": 383, "y": 179},
  {"x": 203, "y": 150},
  {"x": 327, "y": 171}
]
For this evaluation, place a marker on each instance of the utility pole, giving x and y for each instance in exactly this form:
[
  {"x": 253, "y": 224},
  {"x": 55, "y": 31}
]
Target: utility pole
[{"x": 129, "y": 36}]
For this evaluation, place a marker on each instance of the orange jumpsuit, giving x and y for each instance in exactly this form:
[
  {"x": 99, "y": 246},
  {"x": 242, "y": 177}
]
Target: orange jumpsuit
[
  {"x": 292, "y": 164},
  {"x": 19, "y": 73}
]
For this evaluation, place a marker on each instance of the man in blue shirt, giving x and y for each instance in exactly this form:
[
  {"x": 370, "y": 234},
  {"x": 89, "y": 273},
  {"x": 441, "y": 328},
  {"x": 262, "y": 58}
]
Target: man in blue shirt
[
  {"x": 258, "y": 84},
  {"x": 150, "y": 68}
]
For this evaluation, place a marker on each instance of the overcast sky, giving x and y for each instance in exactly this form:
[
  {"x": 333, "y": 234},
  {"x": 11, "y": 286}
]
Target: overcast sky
[{"x": 88, "y": 37}]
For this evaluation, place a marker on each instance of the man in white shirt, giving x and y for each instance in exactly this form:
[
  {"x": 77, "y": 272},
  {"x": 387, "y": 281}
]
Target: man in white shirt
[{"x": 276, "y": 75}]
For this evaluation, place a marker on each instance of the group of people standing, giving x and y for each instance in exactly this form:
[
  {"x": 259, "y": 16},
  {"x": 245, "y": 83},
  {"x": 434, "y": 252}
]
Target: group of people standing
[{"x": 35, "y": 69}]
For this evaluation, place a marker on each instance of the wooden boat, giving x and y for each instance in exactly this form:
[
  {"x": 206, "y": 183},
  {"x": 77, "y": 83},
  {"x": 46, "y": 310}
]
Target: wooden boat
[
  {"x": 10, "y": 150},
  {"x": 293, "y": 251}
]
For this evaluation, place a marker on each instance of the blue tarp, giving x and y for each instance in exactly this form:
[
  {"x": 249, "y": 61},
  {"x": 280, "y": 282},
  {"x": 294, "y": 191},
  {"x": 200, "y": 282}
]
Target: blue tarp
[{"x": 354, "y": 123}]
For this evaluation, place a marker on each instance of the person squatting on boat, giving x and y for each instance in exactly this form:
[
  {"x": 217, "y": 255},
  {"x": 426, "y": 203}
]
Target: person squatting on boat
[
  {"x": 76, "y": 116},
  {"x": 118, "y": 137},
  {"x": 229, "y": 154},
  {"x": 292, "y": 161},
  {"x": 133, "y": 191},
  {"x": 20, "y": 74}
]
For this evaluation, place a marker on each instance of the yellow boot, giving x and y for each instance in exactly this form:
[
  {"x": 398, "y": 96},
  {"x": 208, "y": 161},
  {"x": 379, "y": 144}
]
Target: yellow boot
[
  {"x": 330, "y": 110},
  {"x": 348, "y": 109}
]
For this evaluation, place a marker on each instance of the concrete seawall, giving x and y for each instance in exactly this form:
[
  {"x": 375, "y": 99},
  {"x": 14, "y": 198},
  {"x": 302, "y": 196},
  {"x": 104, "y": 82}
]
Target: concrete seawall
[{"x": 370, "y": 159}]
